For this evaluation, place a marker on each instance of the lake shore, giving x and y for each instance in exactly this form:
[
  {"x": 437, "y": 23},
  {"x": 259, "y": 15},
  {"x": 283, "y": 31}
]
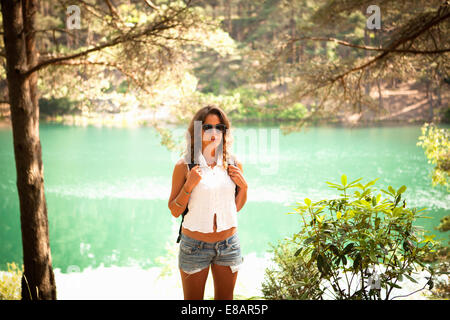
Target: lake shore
[{"x": 126, "y": 122}]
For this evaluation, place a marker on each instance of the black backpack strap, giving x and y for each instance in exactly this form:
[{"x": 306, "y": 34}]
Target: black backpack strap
[
  {"x": 232, "y": 161},
  {"x": 190, "y": 166}
]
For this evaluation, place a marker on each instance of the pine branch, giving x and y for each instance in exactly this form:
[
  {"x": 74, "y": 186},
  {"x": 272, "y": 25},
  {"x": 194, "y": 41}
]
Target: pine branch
[
  {"x": 368, "y": 48},
  {"x": 153, "y": 30},
  {"x": 410, "y": 32},
  {"x": 106, "y": 64}
]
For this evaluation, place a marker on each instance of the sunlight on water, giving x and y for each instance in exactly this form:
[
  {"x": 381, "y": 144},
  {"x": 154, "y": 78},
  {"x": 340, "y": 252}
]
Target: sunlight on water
[{"x": 147, "y": 189}]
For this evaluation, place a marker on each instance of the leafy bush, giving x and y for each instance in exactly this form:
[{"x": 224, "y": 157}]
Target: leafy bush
[
  {"x": 294, "y": 278},
  {"x": 362, "y": 245},
  {"x": 10, "y": 283},
  {"x": 436, "y": 143},
  {"x": 295, "y": 112}
]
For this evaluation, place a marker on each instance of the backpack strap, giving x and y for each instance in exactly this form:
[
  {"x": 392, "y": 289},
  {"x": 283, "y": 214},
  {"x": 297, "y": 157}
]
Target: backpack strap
[{"x": 232, "y": 161}]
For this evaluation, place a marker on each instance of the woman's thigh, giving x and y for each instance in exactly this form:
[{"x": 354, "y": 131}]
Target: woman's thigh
[
  {"x": 194, "y": 284},
  {"x": 224, "y": 281}
]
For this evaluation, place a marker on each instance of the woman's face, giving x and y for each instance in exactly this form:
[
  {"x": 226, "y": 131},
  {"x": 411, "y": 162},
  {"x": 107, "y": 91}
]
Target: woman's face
[{"x": 213, "y": 135}]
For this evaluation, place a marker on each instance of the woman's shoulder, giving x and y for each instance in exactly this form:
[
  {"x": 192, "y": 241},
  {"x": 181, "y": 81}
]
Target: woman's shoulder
[
  {"x": 180, "y": 168},
  {"x": 181, "y": 162}
]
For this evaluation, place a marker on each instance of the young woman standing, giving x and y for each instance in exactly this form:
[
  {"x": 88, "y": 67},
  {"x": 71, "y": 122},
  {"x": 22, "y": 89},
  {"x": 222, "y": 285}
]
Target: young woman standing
[{"x": 214, "y": 190}]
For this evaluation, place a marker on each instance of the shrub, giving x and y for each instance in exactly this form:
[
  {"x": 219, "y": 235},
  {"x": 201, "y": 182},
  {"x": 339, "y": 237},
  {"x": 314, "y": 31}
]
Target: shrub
[
  {"x": 10, "y": 282},
  {"x": 436, "y": 143},
  {"x": 293, "y": 279},
  {"x": 296, "y": 111},
  {"x": 362, "y": 245}
]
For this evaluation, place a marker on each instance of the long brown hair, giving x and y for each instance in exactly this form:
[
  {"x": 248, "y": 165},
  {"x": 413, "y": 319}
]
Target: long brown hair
[{"x": 227, "y": 139}]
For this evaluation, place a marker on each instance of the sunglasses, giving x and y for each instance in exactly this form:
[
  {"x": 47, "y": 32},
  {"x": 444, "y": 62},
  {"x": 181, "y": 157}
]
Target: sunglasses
[{"x": 220, "y": 127}]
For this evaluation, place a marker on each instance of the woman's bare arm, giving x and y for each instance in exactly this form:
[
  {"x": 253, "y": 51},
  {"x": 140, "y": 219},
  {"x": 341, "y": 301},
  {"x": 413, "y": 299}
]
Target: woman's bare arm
[
  {"x": 178, "y": 198},
  {"x": 241, "y": 196}
]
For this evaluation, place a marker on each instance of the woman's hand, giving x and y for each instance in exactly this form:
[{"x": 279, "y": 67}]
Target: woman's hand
[
  {"x": 193, "y": 178},
  {"x": 236, "y": 175}
]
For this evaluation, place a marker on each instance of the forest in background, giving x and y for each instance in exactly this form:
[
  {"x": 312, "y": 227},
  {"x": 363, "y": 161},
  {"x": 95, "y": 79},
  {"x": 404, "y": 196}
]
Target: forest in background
[{"x": 259, "y": 60}]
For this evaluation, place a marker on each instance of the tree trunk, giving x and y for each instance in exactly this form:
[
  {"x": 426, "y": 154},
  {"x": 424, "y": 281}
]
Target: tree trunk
[
  {"x": 18, "y": 23},
  {"x": 380, "y": 95},
  {"x": 293, "y": 35},
  {"x": 228, "y": 17}
]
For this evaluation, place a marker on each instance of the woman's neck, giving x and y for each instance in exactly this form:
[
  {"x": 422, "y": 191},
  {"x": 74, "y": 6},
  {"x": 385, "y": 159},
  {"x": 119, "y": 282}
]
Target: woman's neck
[{"x": 210, "y": 158}]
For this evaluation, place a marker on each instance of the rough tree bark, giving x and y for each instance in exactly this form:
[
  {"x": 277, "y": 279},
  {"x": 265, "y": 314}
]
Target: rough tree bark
[{"x": 19, "y": 24}]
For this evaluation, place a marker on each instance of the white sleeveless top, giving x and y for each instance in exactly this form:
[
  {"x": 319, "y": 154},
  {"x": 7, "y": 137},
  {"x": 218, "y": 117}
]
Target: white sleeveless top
[{"x": 214, "y": 194}]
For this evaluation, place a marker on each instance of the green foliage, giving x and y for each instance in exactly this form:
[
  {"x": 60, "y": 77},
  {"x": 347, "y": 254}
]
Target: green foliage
[
  {"x": 445, "y": 224},
  {"x": 123, "y": 87},
  {"x": 436, "y": 144},
  {"x": 446, "y": 117},
  {"x": 441, "y": 262},
  {"x": 352, "y": 238},
  {"x": 57, "y": 106},
  {"x": 294, "y": 278},
  {"x": 10, "y": 282},
  {"x": 295, "y": 112}
]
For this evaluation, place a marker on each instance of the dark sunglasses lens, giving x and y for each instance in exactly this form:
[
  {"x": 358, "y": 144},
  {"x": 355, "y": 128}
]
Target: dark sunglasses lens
[
  {"x": 207, "y": 126},
  {"x": 221, "y": 127}
]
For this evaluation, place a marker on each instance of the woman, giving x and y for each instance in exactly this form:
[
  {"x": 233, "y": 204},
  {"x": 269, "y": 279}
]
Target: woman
[{"x": 214, "y": 192}]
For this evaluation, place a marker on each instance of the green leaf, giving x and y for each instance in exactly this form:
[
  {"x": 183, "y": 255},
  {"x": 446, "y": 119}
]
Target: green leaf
[
  {"x": 320, "y": 263},
  {"x": 353, "y": 182},
  {"x": 391, "y": 190},
  {"x": 344, "y": 180},
  {"x": 320, "y": 218},
  {"x": 333, "y": 185},
  {"x": 308, "y": 202},
  {"x": 371, "y": 183},
  {"x": 401, "y": 190},
  {"x": 298, "y": 252},
  {"x": 334, "y": 249},
  {"x": 348, "y": 248},
  {"x": 357, "y": 262},
  {"x": 394, "y": 285},
  {"x": 411, "y": 278},
  {"x": 396, "y": 211},
  {"x": 309, "y": 240},
  {"x": 431, "y": 284}
]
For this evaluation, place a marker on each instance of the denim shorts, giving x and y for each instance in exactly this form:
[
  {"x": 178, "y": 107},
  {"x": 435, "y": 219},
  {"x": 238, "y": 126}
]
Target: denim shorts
[{"x": 196, "y": 255}]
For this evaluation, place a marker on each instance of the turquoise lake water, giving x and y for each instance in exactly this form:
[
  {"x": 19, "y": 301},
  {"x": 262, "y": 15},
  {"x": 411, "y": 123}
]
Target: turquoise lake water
[{"x": 107, "y": 188}]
